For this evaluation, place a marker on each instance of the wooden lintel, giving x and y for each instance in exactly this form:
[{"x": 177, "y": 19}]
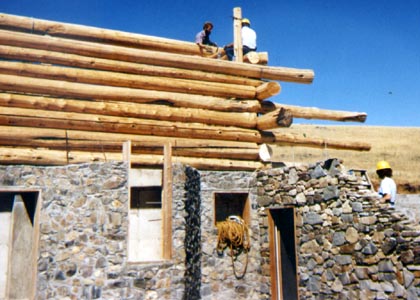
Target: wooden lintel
[{"x": 9, "y": 155}]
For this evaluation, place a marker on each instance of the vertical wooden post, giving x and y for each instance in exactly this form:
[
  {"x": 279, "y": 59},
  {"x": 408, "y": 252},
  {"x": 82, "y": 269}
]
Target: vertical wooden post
[
  {"x": 237, "y": 35},
  {"x": 126, "y": 153},
  {"x": 167, "y": 202},
  {"x": 20, "y": 280}
]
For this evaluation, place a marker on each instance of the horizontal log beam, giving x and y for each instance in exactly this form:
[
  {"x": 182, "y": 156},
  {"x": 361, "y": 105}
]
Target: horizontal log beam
[
  {"x": 73, "y": 121},
  {"x": 278, "y": 118},
  {"x": 56, "y": 88},
  {"x": 98, "y": 139},
  {"x": 316, "y": 113},
  {"x": 100, "y": 35},
  {"x": 91, "y": 122},
  {"x": 134, "y": 110},
  {"x": 86, "y": 62},
  {"x": 284, "y": 139},
  {"x": 155, "y": 58},
  {"x": 115, "y": 79},
  {"x": 256, "y": 57},
  {"x": 267, "y": 90},
  {"x": 114, "y": 37},
  {"x": 137, "y": 148},
  {"x": 11, "y": 155}
]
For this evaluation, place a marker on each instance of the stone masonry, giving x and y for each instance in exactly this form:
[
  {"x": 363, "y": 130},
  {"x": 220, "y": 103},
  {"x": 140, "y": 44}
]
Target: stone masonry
[{"x": 349, "y": 246}]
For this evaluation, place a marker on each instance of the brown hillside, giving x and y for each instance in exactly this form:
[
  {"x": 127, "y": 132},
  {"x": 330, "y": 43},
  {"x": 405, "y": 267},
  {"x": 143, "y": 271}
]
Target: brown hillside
[{"x": 398, "y": 145}]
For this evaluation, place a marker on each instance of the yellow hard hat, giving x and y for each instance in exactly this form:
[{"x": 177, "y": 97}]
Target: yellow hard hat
[
  {"x": 246, "y": 21},
  {"x": 382, "y": 165}
]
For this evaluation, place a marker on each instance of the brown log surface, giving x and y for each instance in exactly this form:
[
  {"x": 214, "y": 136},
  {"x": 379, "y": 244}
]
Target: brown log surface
[
  {"x": 134, "y": 110},
  {"x": 56, "y": 157},
  {"x": 107, "y": 36},
  {"x": 71, "y": 93},
  {"x": 98, "y": 139},
  {"x": 278, "y": 118},
  {"x": 128, "y": 80},
  {"x": 80, "y": 61},
  {"x": 155, "y": 58},
  {"x": 57, "y": 88},
  {"x": 316, "y": 113},
  {"x": 61, "y": 120}
]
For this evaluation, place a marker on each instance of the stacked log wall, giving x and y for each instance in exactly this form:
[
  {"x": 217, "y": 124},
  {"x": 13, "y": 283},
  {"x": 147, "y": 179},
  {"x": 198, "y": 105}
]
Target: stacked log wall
[{"x": 76, "y": 78}]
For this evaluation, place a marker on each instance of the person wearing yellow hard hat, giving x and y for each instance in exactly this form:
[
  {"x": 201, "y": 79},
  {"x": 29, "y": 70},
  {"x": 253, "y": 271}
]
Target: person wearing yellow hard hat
[
  {"x": 249, "y": 40},
  {"x": 387, "y": 188}
]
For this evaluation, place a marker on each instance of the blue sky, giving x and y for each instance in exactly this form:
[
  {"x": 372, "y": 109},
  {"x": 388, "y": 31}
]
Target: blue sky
[{"x": 365, "y": 53}]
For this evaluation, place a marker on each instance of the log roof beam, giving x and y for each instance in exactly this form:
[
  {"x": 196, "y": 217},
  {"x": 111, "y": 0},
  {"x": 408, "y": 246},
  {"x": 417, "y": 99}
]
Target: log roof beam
[
  {"x": 154, "y": 58},
  {"x": 107, "y": 36},
  {"x": 86, "y": 62}
]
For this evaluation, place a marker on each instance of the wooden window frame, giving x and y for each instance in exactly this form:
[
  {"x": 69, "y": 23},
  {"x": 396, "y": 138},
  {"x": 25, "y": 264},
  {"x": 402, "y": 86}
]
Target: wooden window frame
[{"x": 167, "y": 199}]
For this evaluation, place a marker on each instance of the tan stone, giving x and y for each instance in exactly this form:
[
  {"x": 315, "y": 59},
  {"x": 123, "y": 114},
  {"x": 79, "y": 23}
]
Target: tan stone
[
  {"x": 378, "y": 236},
  {"x": 352, "y": 236},
  {"x": 310, "y": 247},
  {"x": 368, "y": 220},
  {"x": 62, "y": 256},
  {"x": 347, "y": 208},
  {"x": 116, "y": 204},
  {"x": 371, "y": 260}
]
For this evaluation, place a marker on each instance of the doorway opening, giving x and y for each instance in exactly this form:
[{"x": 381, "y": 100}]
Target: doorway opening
[{"x": 284, "y": 284}]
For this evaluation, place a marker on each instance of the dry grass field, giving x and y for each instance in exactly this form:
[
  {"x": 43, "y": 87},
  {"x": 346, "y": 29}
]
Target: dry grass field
[{"x": 400, "y": 146}]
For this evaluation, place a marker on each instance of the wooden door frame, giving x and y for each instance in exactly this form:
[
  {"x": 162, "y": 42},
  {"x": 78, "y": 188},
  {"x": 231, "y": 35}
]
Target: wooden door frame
[{"x": 272, "y": 248}]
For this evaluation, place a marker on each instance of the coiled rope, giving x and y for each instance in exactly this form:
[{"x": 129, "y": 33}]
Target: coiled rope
[{"x": 234, "y": 233}]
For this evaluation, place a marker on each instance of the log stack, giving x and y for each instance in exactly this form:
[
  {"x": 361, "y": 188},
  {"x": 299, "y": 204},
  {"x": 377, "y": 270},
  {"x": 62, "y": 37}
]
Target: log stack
[{"x": 72, "y": 93}]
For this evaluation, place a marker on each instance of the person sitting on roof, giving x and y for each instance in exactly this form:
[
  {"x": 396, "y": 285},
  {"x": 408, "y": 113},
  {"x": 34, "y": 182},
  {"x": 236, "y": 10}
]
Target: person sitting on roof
[
  {"x": 249, "y": 40},
  {"x": 203, "y": 37}
]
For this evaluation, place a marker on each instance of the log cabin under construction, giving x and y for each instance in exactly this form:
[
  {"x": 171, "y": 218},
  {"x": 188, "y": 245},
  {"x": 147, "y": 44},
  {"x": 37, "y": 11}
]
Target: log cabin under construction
[{"x": 122, "y": 155}]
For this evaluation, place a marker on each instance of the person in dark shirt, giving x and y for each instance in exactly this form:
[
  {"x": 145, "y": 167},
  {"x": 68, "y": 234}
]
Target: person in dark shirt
[{"x": 202, "y": 38}]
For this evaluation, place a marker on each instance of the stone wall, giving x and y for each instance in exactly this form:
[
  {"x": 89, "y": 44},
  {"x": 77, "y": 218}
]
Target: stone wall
[
  {"x": 218, "y": 278},
  {"x": 83, "y": 226},
  {"x": 83, "y": 234},
  {"x": 349, "y": 245}
]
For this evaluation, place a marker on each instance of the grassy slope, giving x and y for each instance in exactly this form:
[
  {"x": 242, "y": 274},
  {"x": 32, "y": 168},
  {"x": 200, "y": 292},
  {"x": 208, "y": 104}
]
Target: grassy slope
[{"x": 400, "y": 146}]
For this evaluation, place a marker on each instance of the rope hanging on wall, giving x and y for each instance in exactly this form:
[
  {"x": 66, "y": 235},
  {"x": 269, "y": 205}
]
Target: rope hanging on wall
[{"x": 234, "y": 233}]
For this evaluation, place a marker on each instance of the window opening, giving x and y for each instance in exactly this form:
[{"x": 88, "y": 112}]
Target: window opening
[
  {"x": 232, "y": 216},
  {"x": 231, "y": 204},
  {"x": 145, "y": 224}
]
